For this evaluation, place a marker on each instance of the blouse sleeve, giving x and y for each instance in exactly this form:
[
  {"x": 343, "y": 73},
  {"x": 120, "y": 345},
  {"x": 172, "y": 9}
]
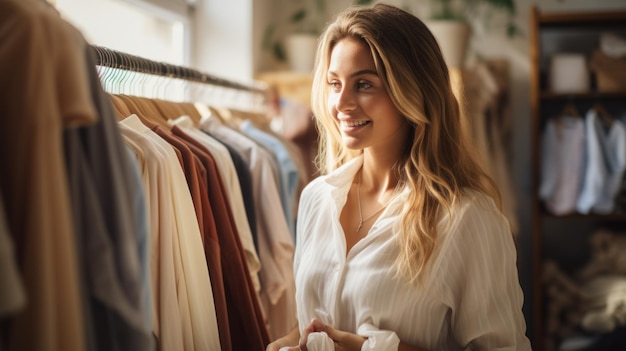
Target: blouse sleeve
[{"x": 478, "y": 261}]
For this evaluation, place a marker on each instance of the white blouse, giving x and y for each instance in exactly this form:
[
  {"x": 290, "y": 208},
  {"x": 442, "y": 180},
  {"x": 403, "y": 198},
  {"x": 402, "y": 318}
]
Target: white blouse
[{"x": 471, "y": 297}]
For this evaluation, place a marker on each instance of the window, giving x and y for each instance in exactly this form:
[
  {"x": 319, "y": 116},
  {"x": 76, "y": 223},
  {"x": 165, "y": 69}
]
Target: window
[{"x": 142, "y": 28}]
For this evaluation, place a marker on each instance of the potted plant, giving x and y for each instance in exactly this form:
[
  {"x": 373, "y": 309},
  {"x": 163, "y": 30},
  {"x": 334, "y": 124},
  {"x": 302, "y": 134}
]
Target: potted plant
[
  {"x": 453, "y": 21},
  {"x": 303, "y": 27}
]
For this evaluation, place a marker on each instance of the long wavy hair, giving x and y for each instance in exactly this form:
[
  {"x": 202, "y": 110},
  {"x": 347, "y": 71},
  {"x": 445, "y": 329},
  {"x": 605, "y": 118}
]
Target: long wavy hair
[{"x": 438, "y": 163}]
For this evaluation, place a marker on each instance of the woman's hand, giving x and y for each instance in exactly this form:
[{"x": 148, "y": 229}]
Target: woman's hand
[
  {"x": 344, "y": 341},
  {"x": 290, "y": 341}
]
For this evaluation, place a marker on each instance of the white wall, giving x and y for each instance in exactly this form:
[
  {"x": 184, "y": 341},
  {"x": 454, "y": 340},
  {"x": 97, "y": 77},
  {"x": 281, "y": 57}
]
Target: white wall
[
  {"x": 223, "y": 39},
  {"x": 123, "y": 26}
]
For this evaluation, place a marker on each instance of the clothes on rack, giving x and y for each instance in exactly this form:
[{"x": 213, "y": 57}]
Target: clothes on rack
[
  {"x": 133, "y": 223},
  {"x": 562, "y": 162},
  {"x": 47, "y": 102},
  {"x": 483, "y": 96},
  {"x": 276, "y": 246},
  {"x": 213, "y": 134},
  {"x": 583, "y": 163}
]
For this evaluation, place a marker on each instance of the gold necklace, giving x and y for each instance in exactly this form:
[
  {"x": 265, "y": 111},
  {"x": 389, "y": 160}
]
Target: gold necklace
[{"x": 358, "y": 196}]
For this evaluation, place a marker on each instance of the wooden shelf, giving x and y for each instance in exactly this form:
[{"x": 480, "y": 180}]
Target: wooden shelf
[
  {"x": 582, "y": 96},
  {"x": 291, "y": 85},
  {"x": 552, "y": 33}
]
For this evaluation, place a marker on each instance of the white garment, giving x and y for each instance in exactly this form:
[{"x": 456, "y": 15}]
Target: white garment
[
  {"x": 605, "y": 165},
  {"x": 471, "y": 297},
  {"x": 562, "y": 165},
  {"x": 194, "y": 292},
  {"x": 165, "y": 266}
]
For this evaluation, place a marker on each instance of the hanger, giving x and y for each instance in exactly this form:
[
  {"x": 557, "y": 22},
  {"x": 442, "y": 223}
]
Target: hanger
[
  {"x": 120, "y": 107},
  {"x": 191, "y": 111},
  {"x": 167, "y": 109},
  {"x": 258, "y": 119},
  {"x": 570, "y": 110},
  {"x": 605, "y": 117},
  {"x": 142, "y": 114}
]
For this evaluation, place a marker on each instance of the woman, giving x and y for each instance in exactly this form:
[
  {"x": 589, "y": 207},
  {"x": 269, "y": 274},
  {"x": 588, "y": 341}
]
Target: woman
[{"x": 400, "y": 243}]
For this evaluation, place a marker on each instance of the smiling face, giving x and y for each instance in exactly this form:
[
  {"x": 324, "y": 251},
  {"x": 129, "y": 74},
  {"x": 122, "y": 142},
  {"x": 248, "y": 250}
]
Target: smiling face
[{"x": 358, "y": 101}]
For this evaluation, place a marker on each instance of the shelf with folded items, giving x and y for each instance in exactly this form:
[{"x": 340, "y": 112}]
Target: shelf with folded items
[{"x": 563, "y": 229}]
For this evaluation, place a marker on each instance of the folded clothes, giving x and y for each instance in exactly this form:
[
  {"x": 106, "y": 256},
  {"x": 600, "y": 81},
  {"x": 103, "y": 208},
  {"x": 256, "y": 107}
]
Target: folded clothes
[{"x": 613, "y": 45}]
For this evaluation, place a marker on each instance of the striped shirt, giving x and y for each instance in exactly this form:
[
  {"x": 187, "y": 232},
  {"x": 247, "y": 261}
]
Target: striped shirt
[{"x": 471, "y": 296}]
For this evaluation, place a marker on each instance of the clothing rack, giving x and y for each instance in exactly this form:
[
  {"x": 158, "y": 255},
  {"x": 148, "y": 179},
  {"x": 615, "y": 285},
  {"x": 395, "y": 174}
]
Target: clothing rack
[{"x": 115, "y": 59}]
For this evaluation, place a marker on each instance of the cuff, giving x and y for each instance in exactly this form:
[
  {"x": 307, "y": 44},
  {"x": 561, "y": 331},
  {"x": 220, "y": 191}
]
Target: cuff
[
  {"x": 319, "y": 341},
  {"x": 378, "y": 340}
]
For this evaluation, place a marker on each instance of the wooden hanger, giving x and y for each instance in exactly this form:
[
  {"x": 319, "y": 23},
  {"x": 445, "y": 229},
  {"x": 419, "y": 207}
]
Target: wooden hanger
[
  {"x": 120, "y": 107},
  {"x": 169, "y": 109},
  {"x": 152, "y": 112},
  {"x": 570, "y": 110},
  {"x": 191, "y": 111},
  {"x": 260, "y": 120},
  {"x": 217, "y": 114},
  {"x": 136, "y": 109},
  {"x": 606, "y": 117}
]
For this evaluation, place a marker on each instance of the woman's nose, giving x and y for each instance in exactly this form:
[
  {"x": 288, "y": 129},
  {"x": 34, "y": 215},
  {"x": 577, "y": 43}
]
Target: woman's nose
[{"x": 345, "y": 100}]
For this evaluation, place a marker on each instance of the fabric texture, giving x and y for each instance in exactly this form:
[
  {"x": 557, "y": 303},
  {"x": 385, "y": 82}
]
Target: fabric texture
[
  {"x": 12, "y": 296},
  {"x": 45, "y": 90}
]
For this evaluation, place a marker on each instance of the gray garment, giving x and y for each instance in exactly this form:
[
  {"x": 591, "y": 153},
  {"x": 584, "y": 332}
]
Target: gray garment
[{"x": 101, "y": 187}]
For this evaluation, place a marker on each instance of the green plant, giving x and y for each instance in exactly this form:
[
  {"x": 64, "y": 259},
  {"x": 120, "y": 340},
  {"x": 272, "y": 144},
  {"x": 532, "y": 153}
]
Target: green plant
[{"x": 475, "y": 12}]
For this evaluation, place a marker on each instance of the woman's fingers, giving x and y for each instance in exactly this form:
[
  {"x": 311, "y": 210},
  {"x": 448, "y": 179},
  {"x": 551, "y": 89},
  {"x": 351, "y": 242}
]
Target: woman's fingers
[{"x": 315, "y": 326}]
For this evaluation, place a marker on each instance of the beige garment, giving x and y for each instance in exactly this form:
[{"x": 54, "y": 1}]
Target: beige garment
[
  {"x": 45, "y": 89},
  {"x": 165, "y": 267},
  {"x": 483, "y": 96},
  {"x": 195, "y": 295},
  {"x": 233, "y": 191}
]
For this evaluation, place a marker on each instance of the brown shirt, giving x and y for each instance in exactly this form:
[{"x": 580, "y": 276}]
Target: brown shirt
[{"x": 44, "y": 90}]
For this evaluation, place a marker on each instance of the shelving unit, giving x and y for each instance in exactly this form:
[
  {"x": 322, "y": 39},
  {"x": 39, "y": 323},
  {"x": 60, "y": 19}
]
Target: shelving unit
[{"x": 564, "y": 238}]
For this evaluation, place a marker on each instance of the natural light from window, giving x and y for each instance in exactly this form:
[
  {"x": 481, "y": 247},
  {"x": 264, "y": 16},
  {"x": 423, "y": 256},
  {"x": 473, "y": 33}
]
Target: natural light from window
[{"x": 138, "y": 30}]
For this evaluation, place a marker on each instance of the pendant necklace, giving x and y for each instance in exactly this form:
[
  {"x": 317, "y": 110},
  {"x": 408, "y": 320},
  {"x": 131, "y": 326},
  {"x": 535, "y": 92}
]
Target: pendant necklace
[{"x": 358, "y": 196}]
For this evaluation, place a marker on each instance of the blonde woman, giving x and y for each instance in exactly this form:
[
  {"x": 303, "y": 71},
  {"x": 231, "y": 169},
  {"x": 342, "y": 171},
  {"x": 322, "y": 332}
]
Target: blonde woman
[{"x": 401, "y": 244}]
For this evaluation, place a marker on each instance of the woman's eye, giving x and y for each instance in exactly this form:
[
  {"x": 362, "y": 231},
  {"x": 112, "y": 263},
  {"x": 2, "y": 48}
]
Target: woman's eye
[
  {"x": 363, "y": 85},
  {"x": 334, "y": 85}
]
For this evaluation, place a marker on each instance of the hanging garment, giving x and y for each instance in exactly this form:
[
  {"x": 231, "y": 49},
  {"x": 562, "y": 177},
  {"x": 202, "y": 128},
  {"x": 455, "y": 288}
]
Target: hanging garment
[
  {"x": 488, "y": 123},
  {"x": 103, "y": 197},
  {"x": 248, "y": 330},
  {"x": 605, "y": 164},
  {"x": 275, "y": 243},
  {"x": 45, "y": 91},
  {"x": 562, "y": 165},
  {"x": 192, "y": 299},
  {"x": 165, "y": 264},
  {"x": 288, "y": 172},
  {"x": 12, "y": 296},
  {"x": 233, "y": 188}
]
